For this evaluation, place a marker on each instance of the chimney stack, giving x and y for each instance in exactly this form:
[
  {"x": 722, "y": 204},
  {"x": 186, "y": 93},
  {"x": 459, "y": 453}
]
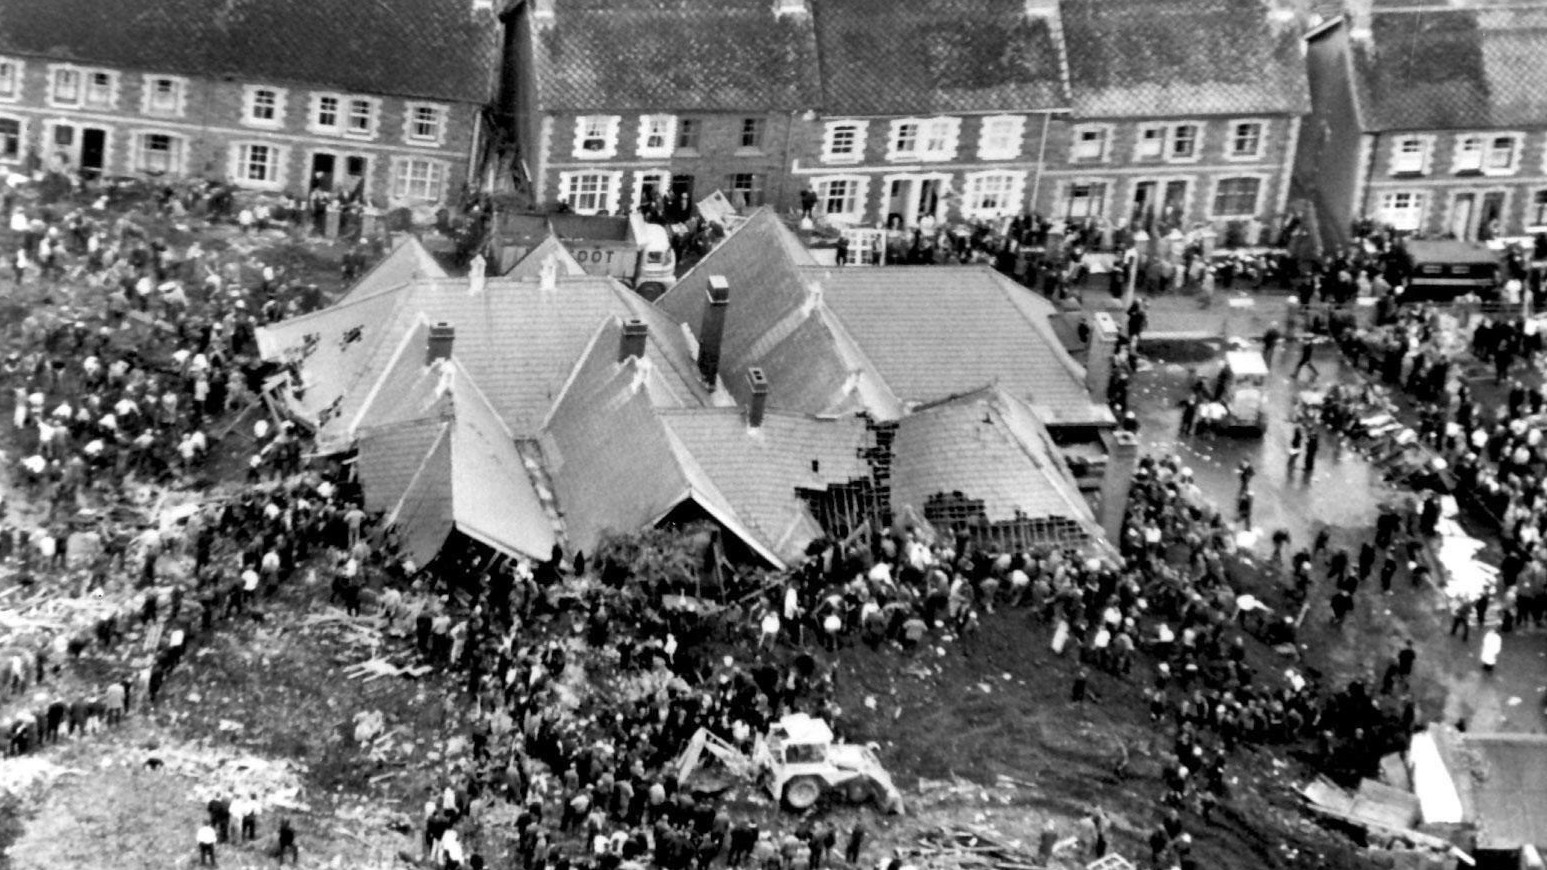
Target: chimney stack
[
  {"x": 442, "y": 335},
  {"x": 757, "y": 405},
  {"x": 633, "y": 342},
  {"x": 542, "y": 12},
  {"x": 783, "y": 8},
  {"x": 712, "y": 332}
]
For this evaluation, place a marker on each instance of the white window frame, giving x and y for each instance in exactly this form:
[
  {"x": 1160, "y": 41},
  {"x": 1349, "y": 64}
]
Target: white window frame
[
  {"x": 1402, "y": 157},
  {"x": 662, "y": 126},
  {"x": 860, "y": 197},
  {"x": 1419, "y": 207},
  {"x": 373, "y": 119},
  {"x": 108, "y": 99},
  {"x": 250, "y": 106},
  {"x": 21, "y": 137},
  {"x": 17, "y": 79},
  {"x": 1067, "y": 197},
  {"x": 1173, "y": 136},
  {"x": 1078, "y": 148},
  {"x": 903, "y": 139},
  {"x": 1012, "y": 195},
  {"x": 1009, "y": 130},
  {"x": 1234, "y": 131},
  {"x": 1490, "y": 151},
  {"x": 177, "y": 164},
  {"x": 240, "y": 160},
  {"x": 856, "y": 154},
  {"x": 1159, "y": 141},
  {"x": 314, "y": 122},
  {"x": 402, "y": 192},
  {"x": 662, "y": 177},
  {"x": 1219, "y": 181},
  {"x": 148, "y": 86},
  {"x": 55, "y": 70},
  {"x": 608, "y": 202},
  {"x": 1467, "y": 156},
  {"x": 606, "y": 129},
  {"x": 442, "y": 120},
  {"x": 939, "y": 138}
]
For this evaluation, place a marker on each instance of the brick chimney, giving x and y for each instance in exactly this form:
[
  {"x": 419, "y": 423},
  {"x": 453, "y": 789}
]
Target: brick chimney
[
  {"x": 442, "y": 335},
  {"x": 712, "y": 332},
  {"x": 757, "y": 405},
  {"x": 633, "y": 342}
]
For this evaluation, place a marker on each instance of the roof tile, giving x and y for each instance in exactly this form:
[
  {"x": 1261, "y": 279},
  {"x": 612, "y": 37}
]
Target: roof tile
[
  {"x": 913, "y": 57},
  {"x": 988, "y": 445},
  {"x": 437, "y": 49},
  {"x": 1169, "y": 58},
  {"x": 674, "y": 55},
  {"x": 1449, "y": 68}
]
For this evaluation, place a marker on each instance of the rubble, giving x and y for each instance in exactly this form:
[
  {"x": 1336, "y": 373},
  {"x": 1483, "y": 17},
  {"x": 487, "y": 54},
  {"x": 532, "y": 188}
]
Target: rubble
[{"x": 223, "y": 773}]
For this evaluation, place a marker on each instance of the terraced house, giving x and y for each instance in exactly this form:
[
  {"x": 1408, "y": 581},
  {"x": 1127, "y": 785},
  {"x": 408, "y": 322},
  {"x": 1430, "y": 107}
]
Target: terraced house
[
  {"x": 1183, "y": 113},
  {"x": 618, "y": 102},
  {"x": 933, "y": 109},
  {"x": 383, "y": 100},
  {"x": 1431, "y": 120}
]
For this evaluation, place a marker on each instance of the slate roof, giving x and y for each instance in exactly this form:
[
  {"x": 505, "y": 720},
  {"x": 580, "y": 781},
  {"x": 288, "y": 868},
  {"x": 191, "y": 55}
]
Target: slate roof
[
  {"x": 1449, "y": 68},
  {"x": 1180, "y": 58},
  {"x": 438, "y": 49},
  {"x": 518, "y": 341},
  {"x": 988, "y": 445},
  {"x": 616, "y": 466},
  {"x": 931, "y": 332},
  {"x": 451, "y": 463},
  {"x": 918, "y": 57},
  {"x": 408, "y": 261},
  {"x": 758, "y": 470},
  {"x": 832, "y": 340},
  {"x": 674, "y": 55},
  {"x": 530, "y": 267}
]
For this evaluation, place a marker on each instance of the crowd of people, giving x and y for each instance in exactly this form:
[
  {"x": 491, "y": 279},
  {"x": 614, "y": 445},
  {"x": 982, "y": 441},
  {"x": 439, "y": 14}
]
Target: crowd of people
[{"x": 1487, "y": 452}]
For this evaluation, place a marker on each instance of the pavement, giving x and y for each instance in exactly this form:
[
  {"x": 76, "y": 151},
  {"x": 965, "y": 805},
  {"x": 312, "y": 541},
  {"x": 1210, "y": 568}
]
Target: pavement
[{"x": 1344, "y": 495}]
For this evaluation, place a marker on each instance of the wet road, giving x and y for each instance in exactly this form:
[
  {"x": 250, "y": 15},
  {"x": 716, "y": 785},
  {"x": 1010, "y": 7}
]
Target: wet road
[{"x": 1344, "y": 493}]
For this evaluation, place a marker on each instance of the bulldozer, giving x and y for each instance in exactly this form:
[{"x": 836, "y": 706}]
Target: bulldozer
[{"x": 798, "y": 763}]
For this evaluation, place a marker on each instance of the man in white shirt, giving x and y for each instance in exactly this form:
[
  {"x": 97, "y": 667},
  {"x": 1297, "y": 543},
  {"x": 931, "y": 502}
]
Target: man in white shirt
[{"x": 206, "y": 840}]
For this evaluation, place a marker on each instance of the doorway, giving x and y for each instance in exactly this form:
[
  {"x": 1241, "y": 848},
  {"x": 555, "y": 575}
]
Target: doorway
[
  {"x": 1490, "y": 220},
  {"x": 1173, "y": 206},
  {"x": 911, "y": 198},
  {"x": 323, "y": 166},
  {"x": 1143, "y": 215},
  {"x": 1462, "y": 208},
  {"x": 93, "y": 152}
]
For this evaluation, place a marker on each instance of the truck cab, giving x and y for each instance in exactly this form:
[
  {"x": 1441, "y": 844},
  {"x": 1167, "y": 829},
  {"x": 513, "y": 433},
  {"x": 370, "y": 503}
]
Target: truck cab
[
  {"x": 657, "y": 270},
  {"x": 1243, "y": 391}
]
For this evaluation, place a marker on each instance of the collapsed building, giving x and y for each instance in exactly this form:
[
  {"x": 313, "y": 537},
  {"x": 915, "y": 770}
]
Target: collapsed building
[{"x": 779, "y": 400}]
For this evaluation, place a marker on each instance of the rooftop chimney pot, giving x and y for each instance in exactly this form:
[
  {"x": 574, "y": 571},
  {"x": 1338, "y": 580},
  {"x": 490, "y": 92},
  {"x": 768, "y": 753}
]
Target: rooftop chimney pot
[
  {"x": 757, "y": 406},
  {"x": 442, "y": 336},
  {"x": 633, "y": 342}
]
